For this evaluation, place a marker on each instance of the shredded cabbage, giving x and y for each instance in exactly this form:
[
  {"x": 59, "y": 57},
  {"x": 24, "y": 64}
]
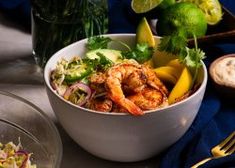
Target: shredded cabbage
[{"x": 13, "y": 156}]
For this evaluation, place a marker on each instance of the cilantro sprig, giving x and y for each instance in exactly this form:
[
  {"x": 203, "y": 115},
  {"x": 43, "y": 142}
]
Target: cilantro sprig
[
  {"x": 141, "y": 52},
  {"x": 177, "y": 44},
  {"x": 101, "y": 63},
  {"x": 98, "y": 42}
]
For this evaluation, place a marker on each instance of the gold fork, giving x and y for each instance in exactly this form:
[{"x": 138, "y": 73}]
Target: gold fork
[{"x": 226, "y": 147}]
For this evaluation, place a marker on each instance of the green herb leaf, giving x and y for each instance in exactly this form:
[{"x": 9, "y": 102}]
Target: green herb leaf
[
  {"x": 141, "y": 53},
  {"x": 193, "y": 57},
  {"x": 174, "y": 44},
  {"x": 98, "y": 42},
  {"x": 177, "y": 44},
  {"x": 101, "y": 63},
  {"x": 104, "y": 62}
]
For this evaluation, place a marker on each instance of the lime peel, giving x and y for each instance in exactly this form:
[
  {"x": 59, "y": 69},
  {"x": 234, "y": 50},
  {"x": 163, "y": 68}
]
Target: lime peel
[
  {"x": 211, "y": 8},
  {"x": 142, "y": 6},
  {"x": 184, "y": 19}
]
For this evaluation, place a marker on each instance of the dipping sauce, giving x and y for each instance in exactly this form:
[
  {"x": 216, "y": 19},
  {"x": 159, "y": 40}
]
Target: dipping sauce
[{"x": 223, "y": 71}]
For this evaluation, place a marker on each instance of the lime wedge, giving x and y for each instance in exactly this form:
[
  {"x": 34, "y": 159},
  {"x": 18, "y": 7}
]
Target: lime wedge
[
  {"x": 211, "y": 8},
  {"x": 142, "y": 6}
]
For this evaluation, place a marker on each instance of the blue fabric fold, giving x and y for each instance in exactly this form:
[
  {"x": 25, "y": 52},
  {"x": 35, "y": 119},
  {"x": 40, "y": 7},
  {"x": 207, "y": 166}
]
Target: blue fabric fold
[{"x": 214, "y": 122}]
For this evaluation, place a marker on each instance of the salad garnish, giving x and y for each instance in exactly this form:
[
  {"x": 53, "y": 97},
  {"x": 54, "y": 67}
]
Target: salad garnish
[
  {"x": 98, "y": 42},
  {"x": 78, "y": 93},
  {"x": 177, "y": 45},
  {"x": 110, "y": 80},
  {"x": 13, "y": 156},
  {"x": 142, "y": 52}
]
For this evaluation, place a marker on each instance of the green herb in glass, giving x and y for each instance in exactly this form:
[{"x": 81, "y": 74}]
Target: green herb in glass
[{"x": 56, "y": 24}]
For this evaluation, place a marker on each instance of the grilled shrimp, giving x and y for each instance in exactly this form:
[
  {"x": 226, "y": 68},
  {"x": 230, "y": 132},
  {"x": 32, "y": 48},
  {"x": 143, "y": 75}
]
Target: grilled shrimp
[
  {"x": 100, "y": 104},
  {"x": 97, "y": 81},
  {"x": 149, "y": 98},
  {"x": 154, "y": 81},
  {"x": 131, "y": 74},
  {"x": 118, "y": 109}
]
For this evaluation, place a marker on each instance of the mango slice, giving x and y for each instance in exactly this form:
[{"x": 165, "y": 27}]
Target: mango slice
[
  {"x": 182, "y": 86},
  {"x": 144, "y": 33},
  {"x": 176, "y": 64},
  {"x": 149, "y": 63},
  {"x": 168, "y": 74},
  {"x": 161, "y": 58}
]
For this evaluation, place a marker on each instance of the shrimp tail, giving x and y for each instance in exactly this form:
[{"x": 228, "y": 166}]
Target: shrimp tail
[{"x": 131, "y": 107}]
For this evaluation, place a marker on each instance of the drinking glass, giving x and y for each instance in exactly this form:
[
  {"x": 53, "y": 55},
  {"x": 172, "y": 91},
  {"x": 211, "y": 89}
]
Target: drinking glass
[{"x": 58, "y": 23}]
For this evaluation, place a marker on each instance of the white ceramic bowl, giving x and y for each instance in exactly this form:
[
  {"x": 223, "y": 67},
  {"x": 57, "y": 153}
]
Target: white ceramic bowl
[{"x": 117, "y": 136}]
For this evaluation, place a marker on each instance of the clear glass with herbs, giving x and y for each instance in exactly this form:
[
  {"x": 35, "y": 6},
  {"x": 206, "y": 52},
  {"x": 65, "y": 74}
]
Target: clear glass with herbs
[{"x": 56, "y": 24}]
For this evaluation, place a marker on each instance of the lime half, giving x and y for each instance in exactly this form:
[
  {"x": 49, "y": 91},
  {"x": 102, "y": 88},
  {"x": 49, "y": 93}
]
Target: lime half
[
  {"x": 211, "y": 8},
  {"x": 142, "y": 6}
]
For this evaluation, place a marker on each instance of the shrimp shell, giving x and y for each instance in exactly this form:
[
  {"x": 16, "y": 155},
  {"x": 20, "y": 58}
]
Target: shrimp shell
[
  {"x": 100, "y": 104},
  {"x": 130, "y": 73},
  {"x": 149, "y": 98}
]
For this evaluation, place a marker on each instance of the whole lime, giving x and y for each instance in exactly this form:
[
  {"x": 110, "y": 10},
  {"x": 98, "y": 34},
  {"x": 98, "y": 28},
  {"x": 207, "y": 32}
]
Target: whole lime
[
  {"x": 184, "y": 18},
  {"x": 165, "y": 3}
]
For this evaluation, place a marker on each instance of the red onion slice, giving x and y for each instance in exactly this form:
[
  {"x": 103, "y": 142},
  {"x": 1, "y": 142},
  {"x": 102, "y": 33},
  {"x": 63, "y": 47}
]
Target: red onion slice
[
  {"x": 75, "y": 87},
  {"x": 22, "y": 152}
]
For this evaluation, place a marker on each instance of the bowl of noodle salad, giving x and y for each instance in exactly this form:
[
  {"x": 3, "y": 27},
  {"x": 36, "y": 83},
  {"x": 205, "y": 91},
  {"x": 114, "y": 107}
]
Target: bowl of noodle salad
[
  {"x": 109, "y": 99},
  {"x": 28, "y": 139}
]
